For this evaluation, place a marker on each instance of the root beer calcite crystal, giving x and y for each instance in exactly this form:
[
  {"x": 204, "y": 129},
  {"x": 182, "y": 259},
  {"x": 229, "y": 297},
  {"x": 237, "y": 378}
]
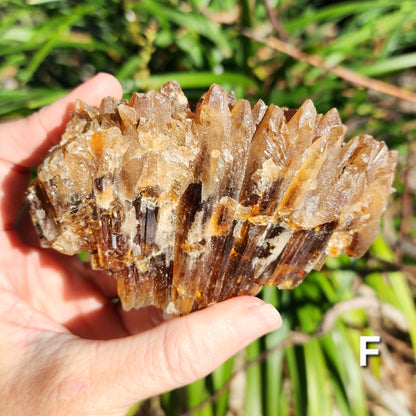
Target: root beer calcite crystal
[{"x": 187, "y": 208}]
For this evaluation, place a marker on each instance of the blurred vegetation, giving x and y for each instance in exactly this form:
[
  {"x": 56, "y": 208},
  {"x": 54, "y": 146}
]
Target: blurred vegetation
[{"x": 310, "y": 366}]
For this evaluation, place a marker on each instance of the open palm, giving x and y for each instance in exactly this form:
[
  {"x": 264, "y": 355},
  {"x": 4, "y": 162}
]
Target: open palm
[{"x": 65, "y": 346}]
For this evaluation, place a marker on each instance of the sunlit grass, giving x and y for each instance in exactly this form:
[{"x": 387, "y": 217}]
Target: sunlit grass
[{"x": 49, "y": 47}]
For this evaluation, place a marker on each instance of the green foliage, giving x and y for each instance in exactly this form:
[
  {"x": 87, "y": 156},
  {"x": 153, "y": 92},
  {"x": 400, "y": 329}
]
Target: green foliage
[{"x": 49, "y": 46}]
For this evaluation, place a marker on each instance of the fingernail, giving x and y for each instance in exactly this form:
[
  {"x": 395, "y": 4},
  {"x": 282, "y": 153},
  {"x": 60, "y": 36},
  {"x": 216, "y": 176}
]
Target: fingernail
[{"x": 253, "y": 322}]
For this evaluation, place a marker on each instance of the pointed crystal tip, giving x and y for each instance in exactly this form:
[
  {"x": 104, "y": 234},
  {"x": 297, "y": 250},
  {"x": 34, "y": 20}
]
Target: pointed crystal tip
[{"x": 190, "y": 207}]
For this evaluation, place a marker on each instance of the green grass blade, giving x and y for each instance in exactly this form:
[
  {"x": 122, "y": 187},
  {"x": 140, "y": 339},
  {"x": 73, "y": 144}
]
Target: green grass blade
[
  {"x": 253, "y": 398},
  {"x": 318, "y": 391},
  {"x": 44, "y": 51},
  {"x": 390, "y": 64},
  {"x": 133, "y": 410},
  {"x": 403, "y": 293},
  {"x": 219, "y": 377},
  {"x": 348, "y": 344},
  {"x": 379, "y": 26},
  {"x": 347, "y": 381},
  {"x": 297, "y": 375},
  {"x": 25, "y": 100},
  {"x": 403, "y": 297},
  {"x": 274, "y": 399},
  {"x": 337, "y": 12},
  {"x": 197, "y": 393}
]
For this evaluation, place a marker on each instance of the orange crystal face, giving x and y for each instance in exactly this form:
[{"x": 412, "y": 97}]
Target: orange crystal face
[{"x": 188, "y": 208}]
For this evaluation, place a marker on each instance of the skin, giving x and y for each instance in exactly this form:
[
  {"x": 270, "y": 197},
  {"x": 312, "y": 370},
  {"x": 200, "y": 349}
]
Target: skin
[{"x": 65, "y": 348}]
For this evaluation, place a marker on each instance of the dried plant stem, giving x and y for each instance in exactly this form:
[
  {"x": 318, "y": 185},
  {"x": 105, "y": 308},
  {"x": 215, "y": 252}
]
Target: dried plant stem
[
  {"x": 274, "y": 18},
  {"x": 338, "y": 70}
]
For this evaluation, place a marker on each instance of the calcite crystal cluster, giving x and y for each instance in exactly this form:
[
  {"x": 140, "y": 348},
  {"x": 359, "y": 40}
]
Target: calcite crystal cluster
[{"x": 190, "y": 207}]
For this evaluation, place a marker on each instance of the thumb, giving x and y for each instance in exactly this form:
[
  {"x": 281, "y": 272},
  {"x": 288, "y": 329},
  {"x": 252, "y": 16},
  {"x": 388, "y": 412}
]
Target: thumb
[{"x": 176, "y": 352}]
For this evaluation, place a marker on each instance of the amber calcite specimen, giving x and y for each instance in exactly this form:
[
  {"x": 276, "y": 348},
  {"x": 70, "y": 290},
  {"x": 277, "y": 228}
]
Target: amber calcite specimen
[{"x": 187, "y": 208}]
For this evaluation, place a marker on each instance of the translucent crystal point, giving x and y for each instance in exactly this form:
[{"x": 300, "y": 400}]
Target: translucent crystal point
[{"x": 187, "y": 208}]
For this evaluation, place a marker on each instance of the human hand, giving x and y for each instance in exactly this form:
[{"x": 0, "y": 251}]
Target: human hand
[{"x": 65, "y": 348}]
